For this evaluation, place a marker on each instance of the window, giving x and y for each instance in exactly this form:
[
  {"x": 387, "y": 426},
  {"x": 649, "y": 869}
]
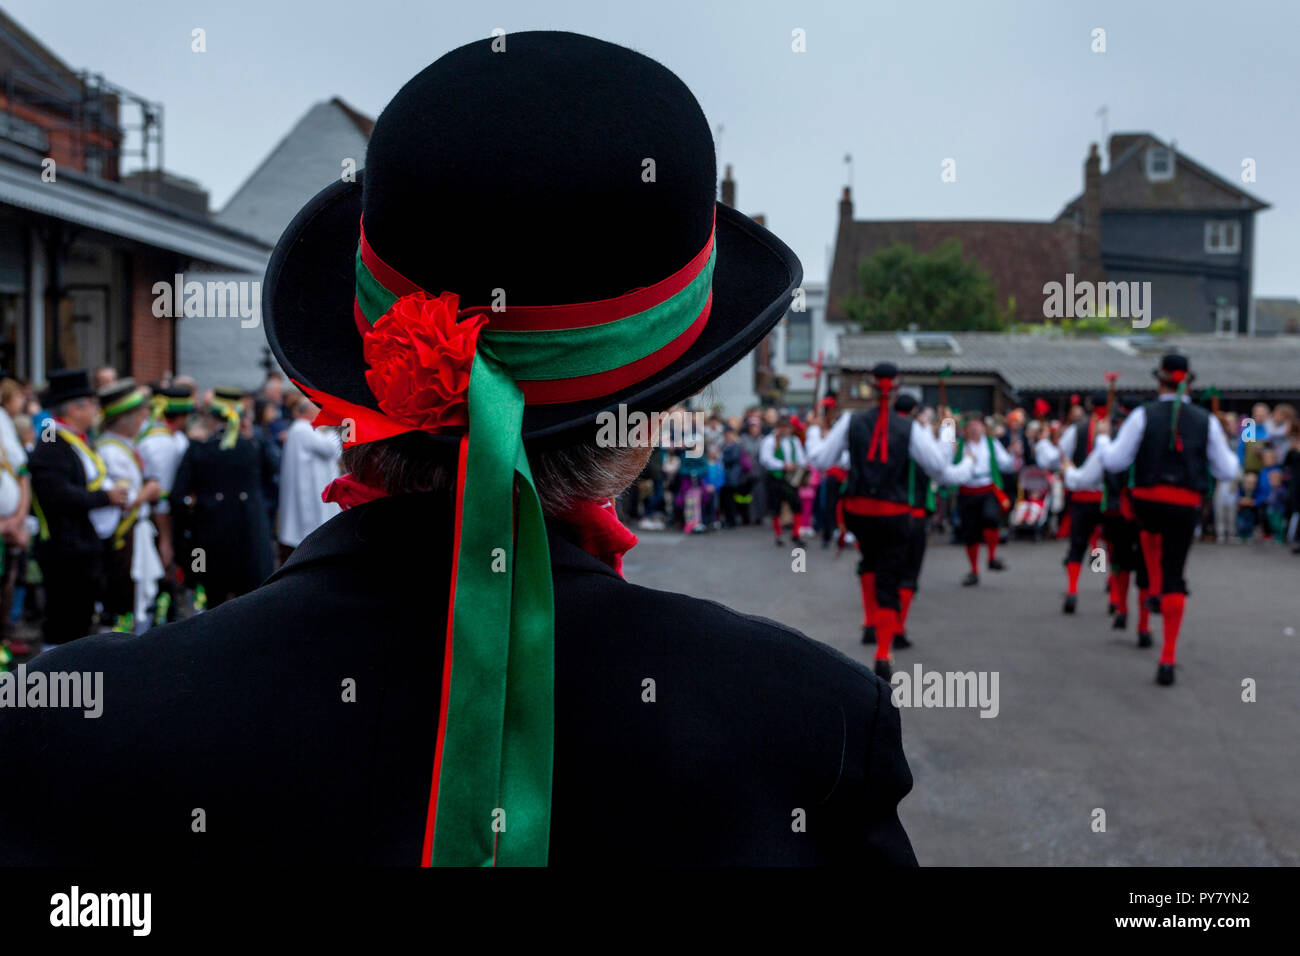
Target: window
[
  {"x": 1160, "y": 164},
  {"x": 1222, "y": 235},
  {"x": 1225, "y": 320},
  {"x": 798, "y": 337}
]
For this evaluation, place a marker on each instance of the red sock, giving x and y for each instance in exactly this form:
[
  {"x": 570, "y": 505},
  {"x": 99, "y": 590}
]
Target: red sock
[
  {"x": 1120, "y": 591},
  {"x": 991, "y": 539},
  {"x": 1144, "y": 613},
  {"x": 776, "y": 525},
  {"x": 1151, "y": 552},
  {"x": 886, "y": 628},
  {"x": 1112, "y": 585},
  {"x": 868, "y": 584},
  {"x": 795, "y": 519},
  {"x": 905, "y": 596},
  {"x": 1171, "y": 609},
  {"x": 973, "y": 552},
  {"x": 1072, "y": 569}
]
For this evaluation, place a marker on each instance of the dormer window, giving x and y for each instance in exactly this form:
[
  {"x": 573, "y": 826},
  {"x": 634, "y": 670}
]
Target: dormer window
[
  {"x": 1160, "y": 164},
  {"x": 1222, "y": 236}
]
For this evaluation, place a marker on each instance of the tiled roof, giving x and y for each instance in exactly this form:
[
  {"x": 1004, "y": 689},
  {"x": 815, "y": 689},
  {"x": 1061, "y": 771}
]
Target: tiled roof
[
  {"x": 1049, "y": 363},
  {"x": 1124, "y": 185},
  {"x": 1019, "y": 256}
]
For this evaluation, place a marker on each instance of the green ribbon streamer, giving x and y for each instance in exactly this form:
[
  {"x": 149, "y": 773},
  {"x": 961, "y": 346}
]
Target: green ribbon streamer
[
  {"x": 494, "y": 791},
  {"x": 548, "y": 354}
]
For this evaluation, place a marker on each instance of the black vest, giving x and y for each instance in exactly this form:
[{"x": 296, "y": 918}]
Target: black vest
[
  {"x": 884, "y": 480},
  {"x": 1081, "y": 448},
  {"x": 1158, "y": 463}
]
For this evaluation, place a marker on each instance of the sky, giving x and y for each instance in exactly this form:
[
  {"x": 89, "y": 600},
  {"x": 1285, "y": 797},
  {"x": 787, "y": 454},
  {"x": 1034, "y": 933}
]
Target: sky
[{"x": 1009, "y": 90}]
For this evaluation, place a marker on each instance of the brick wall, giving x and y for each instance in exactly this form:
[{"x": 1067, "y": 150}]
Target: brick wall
[{"x": 152, "y": 338}]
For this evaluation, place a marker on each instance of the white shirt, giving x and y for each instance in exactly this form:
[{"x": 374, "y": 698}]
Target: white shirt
[
  {"x": 791, "y": 448},
  {"x": 161, "y": 455},
  {"x": 975, "y": 470},
  {"x": 310, "y": 462},
  {"x": 123, "y": 470},
  {"x": 1047, "y": 455},
  {"x": 1119, "y": 453},
  {"x": 15, "y": 456},
  {"x": 922, "y": 447}
]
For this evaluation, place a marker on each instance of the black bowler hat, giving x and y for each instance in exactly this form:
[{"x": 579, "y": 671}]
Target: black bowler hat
[
  {"x": 1174, "y": 369},
  {"x": 1099, "y": 398},
  {"x": 552, "y": 172},
  {"x": 65, "y": 385},
  {"x": 905, "y": 403},
  {"x": 883, "y": 370}
]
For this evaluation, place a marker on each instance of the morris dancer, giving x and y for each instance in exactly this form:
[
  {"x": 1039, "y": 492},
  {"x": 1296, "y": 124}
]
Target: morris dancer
[
  {"x": 977, "y": 469},
  {"x": 922, "y": 499},
  {"x": 878, "y": 502},
  {"x": 1173, "y": 448},
  {"x": 1120, "y": 529},
  {"x": 1085, "y": 511},
  {"x": 781, "y": 454},
  {"x": 131, "y": 563}
]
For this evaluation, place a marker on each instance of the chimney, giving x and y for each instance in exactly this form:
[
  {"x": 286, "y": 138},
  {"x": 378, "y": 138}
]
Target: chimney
[
  {"x": 759, "y": 218},
  {"x": 846, "y": 206},
  {"x": 1090, "y": 227},
  {"x": 728, "y": 189}
]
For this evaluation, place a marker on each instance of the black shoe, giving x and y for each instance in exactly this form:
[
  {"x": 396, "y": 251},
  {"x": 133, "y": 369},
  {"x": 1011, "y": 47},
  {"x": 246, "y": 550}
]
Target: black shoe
[
  {"x": 1164, "y": 675},
  {"x": 970, "y": 579},
  {"x": 1110, "y": 607},
  {"x": 797, "y": 541},
  {"x": 1071, "y": 602},
  {"x": 868, "y": 634},
  {"x": 1144, "y": 639},
  {"x": 780, "y": 542},
  {"x": 1153, "y": 603},
  {"x": 883, "y": 669},
  {"x": 996, "y": 565},
  {"x": 901, "y": 641},
  {"x": 1120, "y": 622}
]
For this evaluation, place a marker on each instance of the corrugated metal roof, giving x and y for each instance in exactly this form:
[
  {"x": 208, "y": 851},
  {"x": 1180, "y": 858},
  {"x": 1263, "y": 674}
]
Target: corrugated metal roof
[{"x": 1044, "y": 362}]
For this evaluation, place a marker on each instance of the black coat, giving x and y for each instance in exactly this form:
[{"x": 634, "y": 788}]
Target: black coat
[
  {"x": 239, "y": 711},
  {"x": 59, "y": 487},
  {"x": 217, "y": 505}
]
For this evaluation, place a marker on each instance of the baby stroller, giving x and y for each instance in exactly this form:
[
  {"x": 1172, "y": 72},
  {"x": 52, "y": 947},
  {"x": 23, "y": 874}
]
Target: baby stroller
[{"x": 1030, "y": 512}]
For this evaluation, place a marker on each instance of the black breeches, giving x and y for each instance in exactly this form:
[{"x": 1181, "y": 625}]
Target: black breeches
[
  {"x": 1176, "y": 524},
  {"x": 914, "y": 553},
  {"x": 1085, "y": 516},
  {"x": 882, "y": 543},
  {"x": 978, "y": 513}
]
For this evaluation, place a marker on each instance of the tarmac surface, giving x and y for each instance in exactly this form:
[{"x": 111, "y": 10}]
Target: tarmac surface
[{"x": 1189, "y": 775}]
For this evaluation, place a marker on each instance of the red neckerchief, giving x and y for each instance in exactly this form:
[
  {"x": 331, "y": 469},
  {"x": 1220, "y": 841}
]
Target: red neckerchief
[
  {"x": 80, "y": 434},
  {"x": 593, "y": 526}
]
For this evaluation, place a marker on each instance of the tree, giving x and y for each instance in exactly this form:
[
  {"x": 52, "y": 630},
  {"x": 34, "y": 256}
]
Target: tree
[{"x": 899, "y": 287}]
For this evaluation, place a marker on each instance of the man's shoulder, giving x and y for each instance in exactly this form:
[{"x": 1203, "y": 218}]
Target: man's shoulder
[{"x": 698, "y": 632}]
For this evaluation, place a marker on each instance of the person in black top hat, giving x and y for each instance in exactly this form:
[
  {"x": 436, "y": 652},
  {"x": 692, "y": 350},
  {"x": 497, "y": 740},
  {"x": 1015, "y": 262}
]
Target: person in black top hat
[
  {"x": 69, "y": 480},
  {"x": 216, "y": 505},
  {"x": 476, "y": 541},
  {"x": 885, "y": 449},
  {"x": 1173, "y": 448}
]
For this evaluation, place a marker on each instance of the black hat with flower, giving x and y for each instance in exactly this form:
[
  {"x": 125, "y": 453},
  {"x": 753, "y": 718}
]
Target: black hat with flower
[{"x": 535, "y": 239}]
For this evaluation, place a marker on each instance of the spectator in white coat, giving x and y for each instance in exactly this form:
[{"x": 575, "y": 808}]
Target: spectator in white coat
[{"x": 310, "y": 462}]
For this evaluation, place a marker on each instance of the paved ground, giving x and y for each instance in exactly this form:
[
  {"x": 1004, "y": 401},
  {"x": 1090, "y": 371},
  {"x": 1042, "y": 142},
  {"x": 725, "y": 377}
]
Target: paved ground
[{"x": 1188, "y": 775}]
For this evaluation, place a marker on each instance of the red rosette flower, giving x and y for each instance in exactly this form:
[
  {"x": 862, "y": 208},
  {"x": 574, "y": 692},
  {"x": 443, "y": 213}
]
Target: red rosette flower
[{"x": 420, "y": 357}]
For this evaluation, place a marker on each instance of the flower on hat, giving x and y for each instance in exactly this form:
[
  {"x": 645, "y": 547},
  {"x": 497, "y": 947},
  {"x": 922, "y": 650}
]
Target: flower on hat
[{"x": 420, "y": 357}]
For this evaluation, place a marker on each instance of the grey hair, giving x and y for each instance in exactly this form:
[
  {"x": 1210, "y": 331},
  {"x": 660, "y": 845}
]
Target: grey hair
[{"x": 564, "y": 476}]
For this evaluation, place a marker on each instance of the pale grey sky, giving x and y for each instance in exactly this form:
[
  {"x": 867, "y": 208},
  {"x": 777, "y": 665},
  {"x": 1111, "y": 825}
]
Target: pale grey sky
[{"x": 1008, "y": 88}]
